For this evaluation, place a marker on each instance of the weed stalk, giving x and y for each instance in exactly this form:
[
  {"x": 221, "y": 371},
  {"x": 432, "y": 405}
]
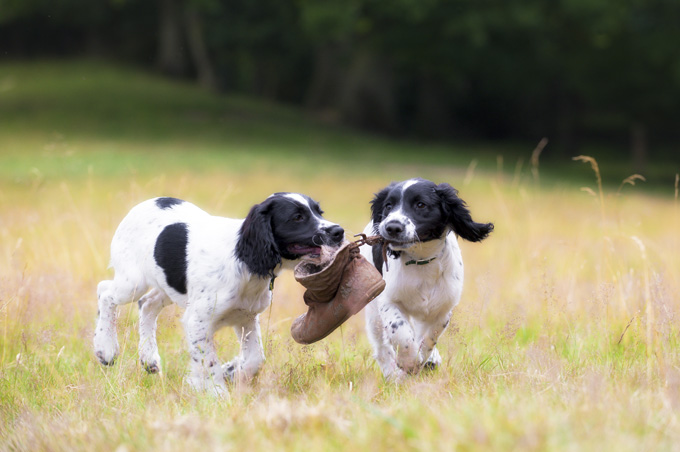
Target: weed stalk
[{"x": 534, "y": 158}]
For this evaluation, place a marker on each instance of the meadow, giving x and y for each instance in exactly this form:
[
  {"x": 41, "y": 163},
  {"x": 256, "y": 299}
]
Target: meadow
[{"x": 566, "y": 338}]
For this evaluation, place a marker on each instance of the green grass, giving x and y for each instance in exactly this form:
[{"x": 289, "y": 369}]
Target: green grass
[
  {"x": 89, "y": 118},
  {"x": 64, "y": 112},
  {"x": 566, "y": 337}
]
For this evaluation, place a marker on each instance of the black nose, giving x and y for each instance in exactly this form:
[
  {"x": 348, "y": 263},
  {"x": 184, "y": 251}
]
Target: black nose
[
  {"x": 335, "y": 233},
  {"x": 394, "y": 228}
]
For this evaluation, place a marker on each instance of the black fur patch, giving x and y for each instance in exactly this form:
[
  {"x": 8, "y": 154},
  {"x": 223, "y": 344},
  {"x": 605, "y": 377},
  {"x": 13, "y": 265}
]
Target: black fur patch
[
  {"x": 166, "y": 203},
  {"x": 275, "y": 224},
  {"x": 431, "y": 208},
  {"x": 170, "y": 253},
  {"x": 458, "y": 215},
  {"x": 256, "y": 245}
]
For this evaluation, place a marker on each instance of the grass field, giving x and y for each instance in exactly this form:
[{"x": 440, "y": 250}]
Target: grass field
[{"x": 567, "y": 336}]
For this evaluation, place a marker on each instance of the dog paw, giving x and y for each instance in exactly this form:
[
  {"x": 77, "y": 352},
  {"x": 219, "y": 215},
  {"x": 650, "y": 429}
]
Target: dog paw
[
  {"x": 106, "y": 352},
  {"x": 408, "y": 364},
  {"x": 214, "y": 387},
  {"x": 150, "y": 361},
  {"x": 229, "y": 370},
  {"x": 105, "y": 348},
  {"x": 232, "y": 369},
  {"x": 433, "y": 361},
  {"x": 430, "y": 366},
  {"x": 152, "y": 367},
  {"x": 234, "y": 372},
  {"x": 105, "y": 359},
  {"x": 396, "y": 376}
]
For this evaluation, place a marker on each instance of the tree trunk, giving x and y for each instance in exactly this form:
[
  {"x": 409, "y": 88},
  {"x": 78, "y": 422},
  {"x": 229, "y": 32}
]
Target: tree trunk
[
  {"x": 170, "y": 59},
  {"x": 198, "y": 50}
]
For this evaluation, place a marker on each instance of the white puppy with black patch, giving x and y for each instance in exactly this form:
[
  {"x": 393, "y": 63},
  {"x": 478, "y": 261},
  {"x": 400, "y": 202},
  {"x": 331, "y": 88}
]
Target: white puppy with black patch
[
  {"x": 219, "y": 269},
  {"x": 420, "y": 223}
]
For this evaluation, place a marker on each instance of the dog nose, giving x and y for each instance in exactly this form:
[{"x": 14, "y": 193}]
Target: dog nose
[
  {"x": 336, "y": 233},
  {"x": 394, "y": 228}
]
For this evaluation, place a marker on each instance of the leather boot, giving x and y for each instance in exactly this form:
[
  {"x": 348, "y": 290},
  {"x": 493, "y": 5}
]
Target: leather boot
[
  {"x": 335, "y": 293},
  {"x": 322, "y": 280}
]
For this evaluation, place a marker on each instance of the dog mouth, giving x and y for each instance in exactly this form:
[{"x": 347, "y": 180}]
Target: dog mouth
[
  {"x": 304, "y": 250},
  {"x": 399, "y": 245},
  {"x": 398, "y": 241}
]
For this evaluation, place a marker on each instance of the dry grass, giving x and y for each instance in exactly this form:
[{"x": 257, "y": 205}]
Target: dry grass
[{"x": 566, "y": 337}]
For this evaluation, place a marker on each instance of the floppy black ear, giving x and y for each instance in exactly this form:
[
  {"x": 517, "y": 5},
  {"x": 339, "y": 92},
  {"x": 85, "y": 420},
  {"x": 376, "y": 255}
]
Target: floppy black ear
[
  {"x": 377, "y": 204},
  {"x": 256, "y": 246},
  {"x": 458, "y": 215}
]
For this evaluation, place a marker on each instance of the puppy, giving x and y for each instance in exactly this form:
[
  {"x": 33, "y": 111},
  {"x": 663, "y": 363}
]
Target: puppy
[
  {"x": 423, "y": 270},
  {"x": 220, "y": 270}
]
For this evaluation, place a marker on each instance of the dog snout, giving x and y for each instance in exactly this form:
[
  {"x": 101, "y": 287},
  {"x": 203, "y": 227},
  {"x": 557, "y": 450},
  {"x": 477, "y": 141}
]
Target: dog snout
[
  {"x": 394, "y": 229},
  {"x": 335, "y": 233}
]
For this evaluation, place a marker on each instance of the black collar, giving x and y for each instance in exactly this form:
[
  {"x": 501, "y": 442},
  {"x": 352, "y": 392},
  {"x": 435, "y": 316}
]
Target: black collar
[{"x": 420, "y": 262}]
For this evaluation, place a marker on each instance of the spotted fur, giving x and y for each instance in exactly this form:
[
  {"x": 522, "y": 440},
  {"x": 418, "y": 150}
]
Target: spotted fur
[
  {"x": 219, "y": 269},
  {"x": 420, "y": 222}
]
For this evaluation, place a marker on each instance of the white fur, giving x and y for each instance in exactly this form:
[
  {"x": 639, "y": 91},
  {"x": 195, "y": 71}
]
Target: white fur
[
  {"x": 399, "y": 216},
  {"x": 221, "y": 291},
  {"x": 405, "y": 321}
]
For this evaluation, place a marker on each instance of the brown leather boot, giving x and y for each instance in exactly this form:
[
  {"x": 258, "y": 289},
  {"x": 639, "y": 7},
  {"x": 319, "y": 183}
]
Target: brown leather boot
[{"x": 335, "y": 293}]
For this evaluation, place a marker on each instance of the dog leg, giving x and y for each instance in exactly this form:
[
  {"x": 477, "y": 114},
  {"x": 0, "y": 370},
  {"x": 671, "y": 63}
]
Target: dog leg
[
  {"x": 382, "y": 350},
  {"x": 245, "y": 366},
  {"x": 205, "y": 371},
  {"x": 401, "y": 336},
  {"x": 150, "y": 305},
  {"x": 428, "y": 335},
  {"x": 110, "y": 294}
]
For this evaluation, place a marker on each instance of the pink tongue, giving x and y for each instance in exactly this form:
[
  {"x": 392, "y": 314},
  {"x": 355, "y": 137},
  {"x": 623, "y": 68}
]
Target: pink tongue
[{"x": 300, "y": 249}]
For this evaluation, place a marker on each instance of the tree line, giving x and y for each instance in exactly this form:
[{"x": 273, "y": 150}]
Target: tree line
[{"x": 567, "y": 69}]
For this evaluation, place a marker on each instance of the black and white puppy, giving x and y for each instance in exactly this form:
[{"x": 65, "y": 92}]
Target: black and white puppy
[
  {"x": 219, "y": 269},
  {"x": 420, "y": 223}
]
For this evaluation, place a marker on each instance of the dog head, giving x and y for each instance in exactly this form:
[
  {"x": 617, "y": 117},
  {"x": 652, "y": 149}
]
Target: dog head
[
  {"x": 285, "y": 226},
  {"x": 418, "y": 210}
]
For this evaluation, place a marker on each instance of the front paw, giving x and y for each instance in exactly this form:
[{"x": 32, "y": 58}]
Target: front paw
[
  {"x": 396, "y": 375},
  {"x": 232, "y": 370},
  {"x": 105, "y": 348},
  {"x": 408, "y": 361},
  {"x": 150, "y": 361},
  {"x": 152, "y": 366},
  {"x": 430, "y": 366},
  {"x": 433, "y": 361},
  {"x": 215, "y": 387}
]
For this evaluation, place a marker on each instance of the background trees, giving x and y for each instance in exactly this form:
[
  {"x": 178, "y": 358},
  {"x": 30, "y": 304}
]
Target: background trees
[{"x": 572, "y": 70}]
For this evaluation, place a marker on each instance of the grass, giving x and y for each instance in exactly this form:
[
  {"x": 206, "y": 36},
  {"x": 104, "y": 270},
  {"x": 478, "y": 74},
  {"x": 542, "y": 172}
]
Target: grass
[{"x": 566, "y": 337}]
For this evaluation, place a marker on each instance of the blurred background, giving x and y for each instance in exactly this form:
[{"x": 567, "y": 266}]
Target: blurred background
[
  {"x": 570, "y": 311},
  {"x": 593, "y": 76}
]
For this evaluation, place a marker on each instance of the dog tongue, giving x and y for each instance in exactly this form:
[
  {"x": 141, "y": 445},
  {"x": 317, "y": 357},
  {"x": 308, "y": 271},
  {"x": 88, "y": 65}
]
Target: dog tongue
[{"x": 302, "y": 249}]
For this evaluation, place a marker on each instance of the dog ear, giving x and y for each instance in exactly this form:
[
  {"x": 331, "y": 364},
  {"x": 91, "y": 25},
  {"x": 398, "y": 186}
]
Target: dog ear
[
  {"x": 377, "y": 204},
  {"x": 458, "y": 215},
  {"x": 256, "y": 246}
]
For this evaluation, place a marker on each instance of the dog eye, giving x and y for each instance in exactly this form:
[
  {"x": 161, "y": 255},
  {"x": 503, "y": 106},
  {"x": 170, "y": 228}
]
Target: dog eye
[
  {"x": 387, "y": 207},
  {"x": 420, "y": 205},
  {"x": 298, "y": 218}
]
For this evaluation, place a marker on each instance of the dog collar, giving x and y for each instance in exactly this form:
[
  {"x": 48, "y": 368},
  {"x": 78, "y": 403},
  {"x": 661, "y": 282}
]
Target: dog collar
[{"x": 420, "y": 262}]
